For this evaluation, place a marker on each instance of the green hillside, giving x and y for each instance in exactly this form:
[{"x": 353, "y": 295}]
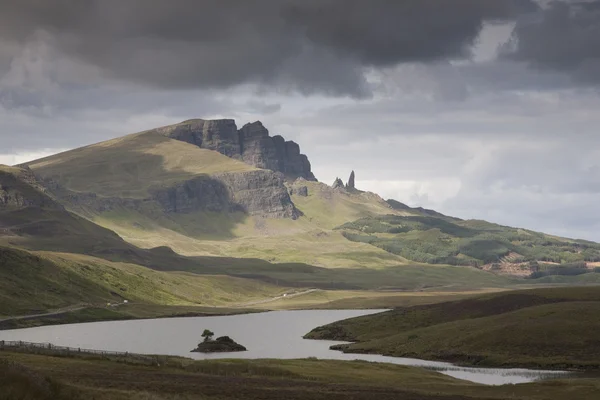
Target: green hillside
[
  {"x": 131, "y": 165},
  {"x": 548, "y": 328},
  {"x": 443, "y": 240},
  {"x": 124, "y": 173},
  {"x": 38, "y": 282},
  {"x": 113, "y": 184}
]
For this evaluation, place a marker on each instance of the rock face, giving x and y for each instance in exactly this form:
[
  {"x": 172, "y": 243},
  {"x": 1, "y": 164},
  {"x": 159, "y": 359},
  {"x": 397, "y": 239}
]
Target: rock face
[
  {"x": 303, "y": 191},
  {"x": 351, "y": 184},
  {"x": 258, "y": 193},
  {"x": 338, "y": 183},
  {"x": 20, "y": 189},
  {"x": 220, "y": 135},
  {"x": 251, "y": 144}
]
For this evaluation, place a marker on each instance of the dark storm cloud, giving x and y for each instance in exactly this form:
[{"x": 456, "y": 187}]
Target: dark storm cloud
[
  {"x": 565, "y": 37},
  {"x": 306, "y": 45}
]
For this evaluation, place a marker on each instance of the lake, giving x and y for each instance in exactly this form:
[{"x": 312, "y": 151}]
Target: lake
[{"x": 276, "y": 334}]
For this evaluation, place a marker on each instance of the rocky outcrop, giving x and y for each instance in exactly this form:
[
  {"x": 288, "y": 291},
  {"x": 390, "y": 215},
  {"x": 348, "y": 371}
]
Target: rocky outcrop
[
  {"x": 82, "y": 202},
  {"x": 19, "y": 188},
  {"x": 251, "y": 144},
  {"x": 338, "y": 183},
  {"x": 220, "y": 135},
  {"x": 223, "y": 344},
  {"x": 302, "y": 191},
  {"x": 351, "y": 184},
  {"x": 260, "y": 193}
]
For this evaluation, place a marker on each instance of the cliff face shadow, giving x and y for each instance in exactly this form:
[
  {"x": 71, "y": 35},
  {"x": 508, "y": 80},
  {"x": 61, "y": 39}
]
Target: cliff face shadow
[
  {"x": 200, "y": 207},
  {"x": 196, "y": 205}
]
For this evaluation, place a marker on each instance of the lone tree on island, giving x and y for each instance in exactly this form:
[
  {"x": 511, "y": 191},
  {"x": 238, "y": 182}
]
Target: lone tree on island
[{"x": 207, "y": 335}]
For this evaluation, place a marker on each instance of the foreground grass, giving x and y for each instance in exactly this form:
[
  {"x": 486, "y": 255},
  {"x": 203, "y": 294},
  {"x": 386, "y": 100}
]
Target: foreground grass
[
  {"x": 93, "y": 377},
  {"x": 547, "y": 328}
]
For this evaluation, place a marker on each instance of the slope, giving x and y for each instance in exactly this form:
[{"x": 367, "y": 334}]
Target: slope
[
  {"x": 535, "y": 328},
  {"x": 437, "y": 239},
  {"x": 33, "y": 220},
  {"x": 145, "y": 188}
]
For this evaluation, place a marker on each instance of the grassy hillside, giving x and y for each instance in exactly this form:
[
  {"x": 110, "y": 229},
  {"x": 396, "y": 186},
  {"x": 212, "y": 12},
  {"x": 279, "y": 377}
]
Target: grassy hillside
[
  {"x": 536, "y": 328},
  {"x": 37, "y": 282},
  {"x": 338, "y": 228},
  {"x": 442, "y": 240},
  {"x": 129, "y": 166},
  {"x": 176, "y": 378},
  {"x": 328, "y": 208}
]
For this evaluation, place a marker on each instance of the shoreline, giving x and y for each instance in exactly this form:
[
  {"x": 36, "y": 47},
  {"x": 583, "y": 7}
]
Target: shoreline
[
  {"x": 102, "y": 314},
  {"x": 482, "y": 362}
]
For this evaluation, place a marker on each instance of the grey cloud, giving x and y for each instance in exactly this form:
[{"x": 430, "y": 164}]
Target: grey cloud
[
  {"x": 565, "y": 37},
  {"x": 262, "y": 107},
  {"x": 305, "y": 45}
]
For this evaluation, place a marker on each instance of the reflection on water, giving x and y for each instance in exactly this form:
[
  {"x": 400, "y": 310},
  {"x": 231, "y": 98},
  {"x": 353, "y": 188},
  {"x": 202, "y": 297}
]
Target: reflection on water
[{"x": 266, "y": 335}]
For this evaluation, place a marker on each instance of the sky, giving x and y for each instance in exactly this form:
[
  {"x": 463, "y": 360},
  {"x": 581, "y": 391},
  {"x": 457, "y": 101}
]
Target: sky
[{"x": 482, "y": 109}]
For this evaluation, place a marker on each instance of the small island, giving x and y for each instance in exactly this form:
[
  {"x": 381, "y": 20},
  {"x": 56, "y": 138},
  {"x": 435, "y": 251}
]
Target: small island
[{"x": 223, "y": 344}]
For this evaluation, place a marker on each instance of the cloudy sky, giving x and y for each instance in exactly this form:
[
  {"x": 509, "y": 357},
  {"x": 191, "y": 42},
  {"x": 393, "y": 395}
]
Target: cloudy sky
[{"x": 476, "y": 108}]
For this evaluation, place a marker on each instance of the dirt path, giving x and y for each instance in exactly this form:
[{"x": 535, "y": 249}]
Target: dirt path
[
  {"x": 283, "y": 296},
  {"x": 55, "y": 312}
]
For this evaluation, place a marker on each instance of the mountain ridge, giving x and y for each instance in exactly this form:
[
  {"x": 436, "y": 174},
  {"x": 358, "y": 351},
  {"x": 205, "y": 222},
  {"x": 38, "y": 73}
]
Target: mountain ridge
[
  {"x": 207, "y": 188},
  {"x": 251, "y": 144}
]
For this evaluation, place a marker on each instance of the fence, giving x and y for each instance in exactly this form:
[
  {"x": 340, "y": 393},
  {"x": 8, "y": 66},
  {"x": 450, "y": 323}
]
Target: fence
[{"x": 49, "y": 348}]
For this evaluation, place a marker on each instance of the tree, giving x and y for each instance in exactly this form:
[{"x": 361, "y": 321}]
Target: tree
[{"x": 207, "y": 335}]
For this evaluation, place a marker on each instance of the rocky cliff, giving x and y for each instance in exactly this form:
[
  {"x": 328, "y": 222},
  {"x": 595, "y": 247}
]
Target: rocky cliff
[
  {"x": 251, "y": 144},
  {"x": 19, "y": 188},
  {"x": 255, "y": 192},
  {"x": 259, "y": 193}
]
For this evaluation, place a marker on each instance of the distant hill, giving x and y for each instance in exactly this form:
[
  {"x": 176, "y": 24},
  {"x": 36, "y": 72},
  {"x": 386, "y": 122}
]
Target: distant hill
[{"x": 436, "y": 239}]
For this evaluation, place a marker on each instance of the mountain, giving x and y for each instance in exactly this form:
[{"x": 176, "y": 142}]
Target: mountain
[
  {"x": 203, "y": 204},
  {"x": 51, "y": 257},
  {"x": 251, "y": 144},
  {"x": 155, "y": 190},
  {"x": 205, "y": 188}
]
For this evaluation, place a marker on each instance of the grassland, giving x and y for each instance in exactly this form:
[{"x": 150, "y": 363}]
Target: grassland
[
  {"x": 549, "y": 328},
  {"x": 355, "y": 299},
  {"x": 90, "y": 377},
  {"x": 32, "y": 283},
  {"x": 443, "y": 240},
  {"x": 129, "y": 166}
]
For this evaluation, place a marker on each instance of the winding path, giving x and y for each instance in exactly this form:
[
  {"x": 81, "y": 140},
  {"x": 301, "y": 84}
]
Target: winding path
[
  {"x": 283, "y": 296},
  {"x": 55, "y": 312}
]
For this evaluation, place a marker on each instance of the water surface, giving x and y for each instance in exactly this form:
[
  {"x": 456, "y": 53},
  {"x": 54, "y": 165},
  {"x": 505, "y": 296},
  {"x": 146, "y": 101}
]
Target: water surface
[{"x": 276, "y": 334}]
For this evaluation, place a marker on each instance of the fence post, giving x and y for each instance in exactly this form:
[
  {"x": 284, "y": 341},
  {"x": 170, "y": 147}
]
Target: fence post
[{"x": 1, "y": 344}]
